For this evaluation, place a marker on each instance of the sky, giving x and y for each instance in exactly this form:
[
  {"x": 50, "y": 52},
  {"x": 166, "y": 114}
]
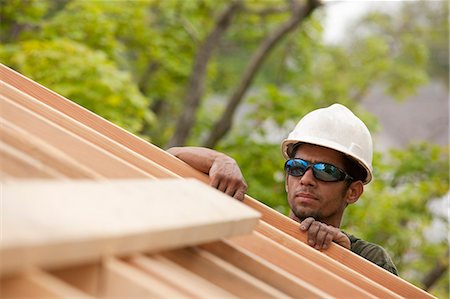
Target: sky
[{"x": 340, "y": 14}]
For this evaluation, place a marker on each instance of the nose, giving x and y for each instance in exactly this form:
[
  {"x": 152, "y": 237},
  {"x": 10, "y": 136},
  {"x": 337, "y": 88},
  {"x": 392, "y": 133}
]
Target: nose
[{"x": 308, "y": 178}]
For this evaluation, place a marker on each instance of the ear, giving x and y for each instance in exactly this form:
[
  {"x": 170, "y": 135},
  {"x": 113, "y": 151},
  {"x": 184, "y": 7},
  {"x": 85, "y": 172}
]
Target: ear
[{"x": 354, "y": 192}]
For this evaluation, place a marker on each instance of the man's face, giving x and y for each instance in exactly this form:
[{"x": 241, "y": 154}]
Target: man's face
[{"x": 310, "y": 197}]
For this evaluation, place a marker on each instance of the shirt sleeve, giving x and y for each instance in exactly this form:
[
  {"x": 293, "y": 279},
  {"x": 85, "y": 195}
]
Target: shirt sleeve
[{"x": 372, "y": 252}]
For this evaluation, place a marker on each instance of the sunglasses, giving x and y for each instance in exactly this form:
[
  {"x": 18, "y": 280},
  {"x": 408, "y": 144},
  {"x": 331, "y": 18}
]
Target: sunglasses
[{"x": 322, "y": 171}]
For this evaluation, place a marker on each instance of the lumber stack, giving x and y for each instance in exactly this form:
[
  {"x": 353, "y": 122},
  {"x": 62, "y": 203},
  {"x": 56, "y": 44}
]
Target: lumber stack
[{"x": 92, "y": 211}]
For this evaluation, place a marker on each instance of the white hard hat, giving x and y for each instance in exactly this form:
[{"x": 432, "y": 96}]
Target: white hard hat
[{"x": 334, "y": 127}]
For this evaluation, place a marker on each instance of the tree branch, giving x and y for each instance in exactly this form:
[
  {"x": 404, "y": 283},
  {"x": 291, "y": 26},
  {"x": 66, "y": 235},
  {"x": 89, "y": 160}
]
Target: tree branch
[
  {"x": 222, "y": 126},
  {"x": 267, "y": 11},
  {"x": 433, "y": 276},
  {"x": 197, "y": 79}
]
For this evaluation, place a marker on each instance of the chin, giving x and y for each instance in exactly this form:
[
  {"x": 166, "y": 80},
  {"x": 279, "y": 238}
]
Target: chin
[{"x": 303, "y": 213}]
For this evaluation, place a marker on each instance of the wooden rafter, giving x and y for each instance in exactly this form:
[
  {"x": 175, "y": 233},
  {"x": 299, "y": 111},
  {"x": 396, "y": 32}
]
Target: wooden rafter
[{"x": 47, "y": 136}]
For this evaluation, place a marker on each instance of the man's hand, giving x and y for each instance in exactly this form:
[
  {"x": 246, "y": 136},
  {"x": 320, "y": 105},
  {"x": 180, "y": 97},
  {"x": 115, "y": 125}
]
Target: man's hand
[
  {"x": 226, "y": 176},
  {"x": 224, "y": 173},
  {"x": 320, "y": 235}
]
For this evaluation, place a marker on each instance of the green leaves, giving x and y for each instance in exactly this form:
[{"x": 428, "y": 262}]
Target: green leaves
[
  {"x": 395, "y": 208},
  {"x": 85, "y": 76},
  {"x": 129, "y": 61},
  {"x": 16, "y": 15}
]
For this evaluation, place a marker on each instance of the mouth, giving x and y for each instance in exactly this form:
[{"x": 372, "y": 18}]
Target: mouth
[{"x": 306, "y": 198}]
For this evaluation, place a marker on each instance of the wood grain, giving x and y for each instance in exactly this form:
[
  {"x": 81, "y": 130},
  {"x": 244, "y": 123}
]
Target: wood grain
[
  {"x": 38, "y": 284},
  {"x": 265, "y": 271},
  {"x": 80, "y": 221},
  {"x": 223, "y": 274},
  {"x": 116, "y": 149},
  {"x": 299, "y": 266},
  {"x": 118, "y": 141}
]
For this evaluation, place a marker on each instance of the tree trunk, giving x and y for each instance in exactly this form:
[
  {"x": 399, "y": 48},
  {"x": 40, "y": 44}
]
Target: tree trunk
[
  {"x": 197, "y": 78},
  {"x": 433, "y": 276},
  {"x": 223, "y": 125}
]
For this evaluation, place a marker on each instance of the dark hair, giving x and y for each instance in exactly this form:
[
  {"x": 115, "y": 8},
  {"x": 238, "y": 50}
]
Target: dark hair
[
  {"x": 354, "y": 169},
  {"x": 292, "y": 149}
]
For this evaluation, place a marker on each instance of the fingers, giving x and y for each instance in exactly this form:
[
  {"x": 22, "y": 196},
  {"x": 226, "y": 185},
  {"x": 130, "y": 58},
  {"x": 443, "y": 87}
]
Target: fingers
[
  {"x": 305, "y": 224},
  {"x": 214, "y": 181},
  {"x": 320, "y": 235},
  {"x": 231, "y": 186},
  {"x": 317, "y": 233},
  {"x": 222, "y": 186},
  {"x": 227, "y": 177},
  {"x": 240, "y": 194},
  {"x": 237, "y": 190},
  {"x": 327, "y": 241}
]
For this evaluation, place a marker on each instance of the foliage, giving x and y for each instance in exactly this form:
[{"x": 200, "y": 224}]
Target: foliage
[
  {"x": 424, "y": 24},
  {"x": 84, "y": 75},
  {"x": 394, "y": 209},
  {"x": 129, "y": 61},
  {"x": 16, "y": 15}
]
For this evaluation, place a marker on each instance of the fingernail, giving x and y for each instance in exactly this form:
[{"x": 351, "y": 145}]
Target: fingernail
[
  {"x": 311, "y": 242},
  {"x": 302, "y": 227},
  {"x": 317, "y": 247},
  {"x": 324, "y": 247}
]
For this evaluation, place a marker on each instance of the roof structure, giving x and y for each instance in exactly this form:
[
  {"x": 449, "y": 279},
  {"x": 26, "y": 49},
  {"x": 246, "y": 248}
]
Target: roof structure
[{"x": 92, "y": 211}]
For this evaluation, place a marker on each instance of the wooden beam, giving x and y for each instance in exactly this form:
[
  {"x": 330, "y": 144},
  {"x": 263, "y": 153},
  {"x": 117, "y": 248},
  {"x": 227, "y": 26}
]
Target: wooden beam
[
  {"x": 86, "y": 117},
  {"x": 223, "y": 274},
  {"x": 95, "y": 123},
  {"x": 38, "y": 284},
  {"x": 368, "y": 269},
  {"x": 85, "y": 277},
  {"x": 85, "y": 132},
  {"x": 323, "y": 260},
  {"x": 299, "y": 266},
  {"x": 73, "y": 222},
  {"x": 265, "y": 271},
  {"x": 50, "y": 98},
  {"x": 178, "y": 277},
  {"x": 121, "y": 280},
  {"x": 85, "y": 153},
  {"x": 16, "y": 164},
  {"x": 39, "y": 156}
]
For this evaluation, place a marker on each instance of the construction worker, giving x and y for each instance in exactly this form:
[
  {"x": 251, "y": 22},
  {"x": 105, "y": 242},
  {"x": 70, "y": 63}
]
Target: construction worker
[{"x": 328, "y": 162}]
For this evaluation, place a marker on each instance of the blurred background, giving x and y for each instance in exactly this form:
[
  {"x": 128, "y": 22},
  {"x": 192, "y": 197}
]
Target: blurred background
[{"x": 238, "y": 75}]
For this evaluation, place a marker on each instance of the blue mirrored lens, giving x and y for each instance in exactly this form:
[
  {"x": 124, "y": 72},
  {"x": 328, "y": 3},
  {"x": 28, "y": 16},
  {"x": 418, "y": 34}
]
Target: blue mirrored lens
[
  {"x": 296, "y": 167},
  {"x": 321, "y": 171},
  {"x": 327, "y": 172}
]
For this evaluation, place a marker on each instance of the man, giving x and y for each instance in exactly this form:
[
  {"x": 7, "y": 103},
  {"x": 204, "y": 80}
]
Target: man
[{"x": 329, "y": 160}]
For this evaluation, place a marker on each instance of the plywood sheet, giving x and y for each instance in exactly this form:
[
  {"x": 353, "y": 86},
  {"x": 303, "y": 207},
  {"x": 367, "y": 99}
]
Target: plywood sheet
[{"x": 54, "y": 223}]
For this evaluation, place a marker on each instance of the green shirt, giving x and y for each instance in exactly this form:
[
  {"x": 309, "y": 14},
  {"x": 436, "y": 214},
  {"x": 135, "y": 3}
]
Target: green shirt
[{"x": 372, "y": 252}]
